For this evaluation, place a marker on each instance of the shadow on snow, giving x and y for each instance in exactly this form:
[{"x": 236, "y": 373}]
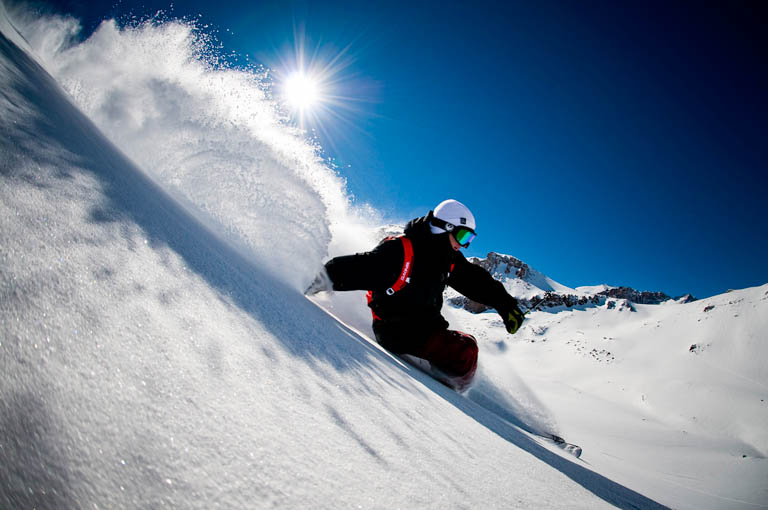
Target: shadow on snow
[{"x": 132, "y": 195}]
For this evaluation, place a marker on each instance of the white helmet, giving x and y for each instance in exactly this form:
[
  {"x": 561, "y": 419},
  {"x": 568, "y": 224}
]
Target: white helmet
[{"x": 454, "y": 213}]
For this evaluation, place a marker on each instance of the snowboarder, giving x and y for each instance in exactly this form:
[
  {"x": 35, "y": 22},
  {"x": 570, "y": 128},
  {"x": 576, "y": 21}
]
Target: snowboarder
[{"x": 406, "y": 277}]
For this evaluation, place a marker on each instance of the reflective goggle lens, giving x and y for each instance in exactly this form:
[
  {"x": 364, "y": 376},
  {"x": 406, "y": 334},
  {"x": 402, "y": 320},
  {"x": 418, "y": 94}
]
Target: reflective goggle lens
[{"x": 463, "y": 235}]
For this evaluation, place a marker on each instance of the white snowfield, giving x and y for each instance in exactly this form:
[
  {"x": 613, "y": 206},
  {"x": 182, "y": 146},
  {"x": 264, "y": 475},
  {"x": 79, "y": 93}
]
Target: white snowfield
[{"x": 156, "y": 349}]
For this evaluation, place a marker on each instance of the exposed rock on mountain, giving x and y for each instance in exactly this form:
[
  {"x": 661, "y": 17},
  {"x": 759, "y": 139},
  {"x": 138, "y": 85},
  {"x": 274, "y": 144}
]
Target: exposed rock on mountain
[
  {"x": 503, "y": 265},
  {"x": 641, "y": 298},
  {"x": 535, "y": 290}
]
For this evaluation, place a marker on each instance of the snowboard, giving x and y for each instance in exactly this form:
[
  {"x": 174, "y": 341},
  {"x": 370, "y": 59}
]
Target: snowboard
[
  {"x": 571, "y": 448},
  {"x": 461, "y": 386}
]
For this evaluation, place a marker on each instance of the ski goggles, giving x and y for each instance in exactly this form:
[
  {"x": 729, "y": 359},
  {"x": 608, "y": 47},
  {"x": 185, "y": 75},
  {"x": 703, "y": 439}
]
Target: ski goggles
[{"x": 463, "y": 235}]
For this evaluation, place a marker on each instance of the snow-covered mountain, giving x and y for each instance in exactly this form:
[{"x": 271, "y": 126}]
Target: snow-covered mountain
[
  {"x": 156, "y": 350},
  {"x": 534, "y": 289},
  {"x": 672, "y": 395}
]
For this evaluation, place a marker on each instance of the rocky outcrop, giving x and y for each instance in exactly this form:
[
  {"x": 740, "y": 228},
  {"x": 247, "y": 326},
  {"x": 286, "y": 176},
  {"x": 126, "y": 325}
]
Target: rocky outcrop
[
  {"x": 548, "y": 300},
  {"x": 641, "y": 298},
  {"x": 552, "y": 300},
  {"x": 506, "y": 267},
  {"x": 501, "y": 266},
  {"x": 623, "y": 305}
]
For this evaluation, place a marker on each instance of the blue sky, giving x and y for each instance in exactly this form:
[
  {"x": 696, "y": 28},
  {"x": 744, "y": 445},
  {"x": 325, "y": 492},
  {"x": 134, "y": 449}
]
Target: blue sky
[{"x": 601, "y": 142}]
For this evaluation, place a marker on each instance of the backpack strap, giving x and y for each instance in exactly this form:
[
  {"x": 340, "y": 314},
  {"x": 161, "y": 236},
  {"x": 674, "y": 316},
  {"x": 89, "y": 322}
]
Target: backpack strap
[{"x": 405, "y": 272}]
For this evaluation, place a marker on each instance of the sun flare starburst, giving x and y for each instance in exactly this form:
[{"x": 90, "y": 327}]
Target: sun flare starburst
[
  {"x": 301, "y": 91},
  {"x": 316, "y": 89}
]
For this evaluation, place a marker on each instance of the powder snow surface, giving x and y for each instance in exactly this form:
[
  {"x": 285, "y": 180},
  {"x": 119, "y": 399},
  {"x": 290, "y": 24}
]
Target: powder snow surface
[{"x": 156, "y": 350}]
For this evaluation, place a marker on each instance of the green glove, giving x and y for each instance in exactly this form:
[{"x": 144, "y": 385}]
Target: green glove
[{"x": 513, "y": 318}]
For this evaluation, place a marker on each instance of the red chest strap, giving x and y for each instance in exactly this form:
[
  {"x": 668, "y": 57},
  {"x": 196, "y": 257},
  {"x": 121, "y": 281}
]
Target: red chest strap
[{"x": 405, "y": 272}]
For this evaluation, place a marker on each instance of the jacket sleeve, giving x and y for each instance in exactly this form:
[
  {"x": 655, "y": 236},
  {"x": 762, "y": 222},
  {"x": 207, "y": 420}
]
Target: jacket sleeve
[
  {"x": 478, "y": 285},
  {"x": 376, "y": 269}
]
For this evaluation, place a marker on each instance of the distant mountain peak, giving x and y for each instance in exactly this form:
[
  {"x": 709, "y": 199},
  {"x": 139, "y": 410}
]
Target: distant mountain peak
[
  {"x": 500, "y": 265},
  {"x": 532, "y": 288}
]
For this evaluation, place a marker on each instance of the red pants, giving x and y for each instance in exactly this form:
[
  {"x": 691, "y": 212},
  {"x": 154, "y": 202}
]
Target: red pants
[{"x": 451, "y": 352}]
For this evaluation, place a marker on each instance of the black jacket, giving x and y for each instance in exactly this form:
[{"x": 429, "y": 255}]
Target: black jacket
[{"x": 412, "y": 314}]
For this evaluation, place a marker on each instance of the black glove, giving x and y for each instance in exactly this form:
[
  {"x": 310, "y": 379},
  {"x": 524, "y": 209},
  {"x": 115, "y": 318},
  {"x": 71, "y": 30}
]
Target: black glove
[{"x": 512, "y": 316}]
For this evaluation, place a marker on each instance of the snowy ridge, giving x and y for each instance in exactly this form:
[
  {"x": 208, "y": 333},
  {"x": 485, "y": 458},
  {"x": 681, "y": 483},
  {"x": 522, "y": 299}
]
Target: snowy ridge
[
  {"x": 519, "y": 278},
  {"x": 150, "y": 357},
  {"x": 533, "y": 288}
]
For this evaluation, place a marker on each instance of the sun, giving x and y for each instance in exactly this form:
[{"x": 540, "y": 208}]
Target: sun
[
  {"x": 314, "y": 88},
  {"x": 301, "y": 91}
]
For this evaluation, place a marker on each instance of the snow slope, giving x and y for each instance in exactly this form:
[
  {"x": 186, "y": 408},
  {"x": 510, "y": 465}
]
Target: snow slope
[
  {"x": 156, "y": 350},
  {"x": 671, "y": 399},
  {"x": 148, "y": 363}
]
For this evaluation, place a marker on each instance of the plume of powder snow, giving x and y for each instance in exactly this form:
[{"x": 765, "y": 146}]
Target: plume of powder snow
[{"x": 210, "y": 135}]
